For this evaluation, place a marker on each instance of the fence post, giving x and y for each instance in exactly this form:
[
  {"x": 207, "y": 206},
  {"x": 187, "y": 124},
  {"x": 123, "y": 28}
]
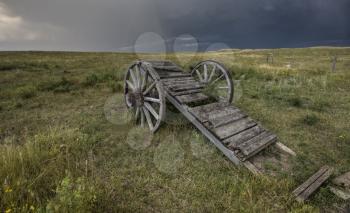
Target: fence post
[
  {"x": 269, "y": 58},
  {"x": 334, "y": 63}
]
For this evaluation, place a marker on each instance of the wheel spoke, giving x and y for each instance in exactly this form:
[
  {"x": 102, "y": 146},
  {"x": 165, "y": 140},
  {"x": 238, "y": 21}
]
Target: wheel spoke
[
  {"x": 138, "y": 76},
  {"x": 222, "y": 98},
  {"x": 205, "y": 73},
  {"x": 148, "y": 118},
  {"x": 130, "y": 85},
  {"x": 151, "y": 110},
  {"x": 144, "y": 82},
  {"x": 154, "y": 100},
  {"x": 137, "y": 112},
  {"x": 142, "y": 118},
  {"x": 212, "y": 73},
  {"x": 133, "y": 78},
  {"x": 149, "y": 88},
  {"x": 222, "y": 87},
  {"x": 200, "y": 76},
  {"x": 222, "y": 75}
]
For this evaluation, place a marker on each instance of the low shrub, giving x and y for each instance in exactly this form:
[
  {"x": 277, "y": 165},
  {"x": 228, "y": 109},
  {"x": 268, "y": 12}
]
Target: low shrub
[
  {"x": 310, "y": 120},
  {"x": 296, "y": 102},
  {"x": 94, "y": 78},
  {"x": 116, "y": 86},
  {"x": 91, "y": 80},
  {"x": 26, "y": 92},
  {"x": 73, "y": 195},
  {"x": 62, "y": 85}
]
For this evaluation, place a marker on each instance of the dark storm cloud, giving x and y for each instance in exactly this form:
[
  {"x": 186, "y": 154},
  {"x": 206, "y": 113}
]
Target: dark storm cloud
[
  {"x": 116, "y": 24},
  {"x": 272, "y": 23}
]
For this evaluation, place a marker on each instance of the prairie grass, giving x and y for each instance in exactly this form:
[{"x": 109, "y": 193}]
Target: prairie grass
[{"x": 59, "y": 151}]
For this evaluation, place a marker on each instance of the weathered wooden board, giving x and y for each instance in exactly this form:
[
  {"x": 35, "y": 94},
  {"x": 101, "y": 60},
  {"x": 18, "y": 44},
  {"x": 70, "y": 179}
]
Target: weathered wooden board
[
  {"x": 184, "y": 87},
  {"x": 226, "y": 116},
  {"x": 233, "y": 128},
  {"x": 180, "y": 86},
  {"x": 161, "y": 63},
  {"x": 191, "y": 98},
  {"x": 165, "y": 75},
  {"x": 312, "y": 184},
  {"x": 234, "y": 141},
  {"x": 256, "y": 144},
  {"x": 220, "y": 113},
  {"x": 186, "y": 92},
  {"x": 167, "y": 69},
  {"x": 285, "y": 149},
  {"x": 251, "y": 167},
  {"x": 212, "y": 111},
  {"x": 179, "y": 83},
  {"x": 176, "y": 80}
]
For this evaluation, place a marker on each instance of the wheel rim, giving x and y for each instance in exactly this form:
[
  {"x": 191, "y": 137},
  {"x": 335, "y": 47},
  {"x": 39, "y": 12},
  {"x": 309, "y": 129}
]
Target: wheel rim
[
  {"x": 217, "y": 80},
  {"x": 144, "y": 96}
]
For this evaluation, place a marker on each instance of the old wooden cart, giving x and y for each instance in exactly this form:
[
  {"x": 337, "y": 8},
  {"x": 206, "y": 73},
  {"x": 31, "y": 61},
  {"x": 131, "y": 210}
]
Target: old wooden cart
[{"x": 204, "y": 97}]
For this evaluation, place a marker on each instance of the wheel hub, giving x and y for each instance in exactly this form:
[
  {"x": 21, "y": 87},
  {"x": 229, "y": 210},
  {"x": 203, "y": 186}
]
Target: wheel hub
[{"x": 136, "y": 99}]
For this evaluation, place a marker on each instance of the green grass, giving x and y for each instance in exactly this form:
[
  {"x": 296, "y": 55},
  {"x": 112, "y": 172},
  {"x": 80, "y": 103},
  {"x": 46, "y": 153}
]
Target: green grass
[{"x": 59, "y": 152}]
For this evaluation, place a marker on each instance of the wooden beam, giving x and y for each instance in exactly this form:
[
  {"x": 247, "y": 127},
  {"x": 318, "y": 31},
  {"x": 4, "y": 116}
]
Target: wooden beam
[
  {"x": 252, "y": 168},
  {"x": 192, "y": 98},
  {"x": 236, "y": 127},
  {"x": 312, "y": 184},
  {"x": 286, "y": 149}
]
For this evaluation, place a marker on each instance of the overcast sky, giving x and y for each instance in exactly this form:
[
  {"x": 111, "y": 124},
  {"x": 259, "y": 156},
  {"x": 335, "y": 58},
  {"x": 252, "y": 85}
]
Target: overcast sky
[{"x": 115, "y": 25}]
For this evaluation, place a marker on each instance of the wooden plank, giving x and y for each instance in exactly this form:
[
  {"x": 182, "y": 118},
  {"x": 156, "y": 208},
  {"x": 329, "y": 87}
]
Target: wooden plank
[
  {"x": 225, "y": 116},
  {"x": 168, "y": 68},
  {"x": 256, "y": 144},
  {"x": 213, "y": 111},
  {"x": 220, "y": 112},
  {"x": 175, "y": 80},
  {"x": 233, "y": 128},
  {"x": 161, "y": 63},
  {"x": 184, "y": 99},
  {"x": 251, "y": 167},
  {"x": 179, "y": 88},
  {"x": 208, "y": 107},
  {"x": 285, "y": 149},
  {"x": 309, "y": 181},
  {"x": 173, "y": 75},
  {"x": 187, "y": 92},
  {"x": 315, "y": 185},
  {"x": 175, "y": 83},
  {"x": 244, "y": 136},
  {"x": 312, "y": 184}
]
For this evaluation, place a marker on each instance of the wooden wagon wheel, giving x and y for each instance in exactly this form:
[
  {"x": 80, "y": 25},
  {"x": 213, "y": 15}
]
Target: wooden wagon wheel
[
  {"x": 144, "y": 96},
  {"x": 217, "y": 79}
]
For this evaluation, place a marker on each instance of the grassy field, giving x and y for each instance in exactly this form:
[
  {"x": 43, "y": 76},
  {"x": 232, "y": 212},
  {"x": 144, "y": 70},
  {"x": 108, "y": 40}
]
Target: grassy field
[{"x": 66, "y": 144}]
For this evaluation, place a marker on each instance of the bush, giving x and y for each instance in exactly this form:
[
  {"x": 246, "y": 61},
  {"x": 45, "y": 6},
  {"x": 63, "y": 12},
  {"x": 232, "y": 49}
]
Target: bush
[
  {"x": 26, "y": 92},
  {"x": 91, "y": 80},
  {"x": 62, "y": 85},
  {"x": 295, "y": 102},
  {"x": 116, "y": 86},
  {"x": 310, "y": 120},
  {"x": 73, "y": 196}
]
